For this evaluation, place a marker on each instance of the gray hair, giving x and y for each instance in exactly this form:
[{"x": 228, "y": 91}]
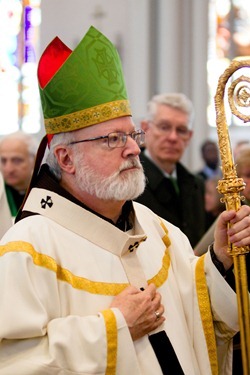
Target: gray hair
[
  {"x": 51, "y": 160},
  {"x": 30, "y": 141},
  {"x": 178, "y": 101}
]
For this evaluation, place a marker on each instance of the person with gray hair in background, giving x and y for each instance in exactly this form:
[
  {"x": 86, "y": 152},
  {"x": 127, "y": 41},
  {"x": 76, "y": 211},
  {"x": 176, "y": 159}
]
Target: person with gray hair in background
[
  {"x": 172, "y": 191},
  {"x": 17, "y": 157}
]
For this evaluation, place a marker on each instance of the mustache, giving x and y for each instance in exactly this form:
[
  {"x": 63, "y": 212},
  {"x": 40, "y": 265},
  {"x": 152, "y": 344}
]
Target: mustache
[{"x": 132, "y": 163}]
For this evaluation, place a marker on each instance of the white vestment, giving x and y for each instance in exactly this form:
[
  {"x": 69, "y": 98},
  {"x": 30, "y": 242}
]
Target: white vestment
[{"x": 59, "y": 272}]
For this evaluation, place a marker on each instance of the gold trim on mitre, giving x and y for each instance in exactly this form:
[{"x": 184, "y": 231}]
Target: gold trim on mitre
[{"x": 87, "y": 117}]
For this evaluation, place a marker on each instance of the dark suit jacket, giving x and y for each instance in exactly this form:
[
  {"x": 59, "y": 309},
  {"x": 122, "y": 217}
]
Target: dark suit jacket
[{"x": 185, "y": 210}]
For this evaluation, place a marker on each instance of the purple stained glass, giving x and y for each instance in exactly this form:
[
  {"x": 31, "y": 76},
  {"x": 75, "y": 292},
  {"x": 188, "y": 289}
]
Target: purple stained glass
[{"x": 29, "y": 32}]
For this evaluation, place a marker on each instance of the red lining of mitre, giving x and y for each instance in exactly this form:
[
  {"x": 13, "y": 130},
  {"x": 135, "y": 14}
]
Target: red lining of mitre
[{"x": 51, "y": 60}]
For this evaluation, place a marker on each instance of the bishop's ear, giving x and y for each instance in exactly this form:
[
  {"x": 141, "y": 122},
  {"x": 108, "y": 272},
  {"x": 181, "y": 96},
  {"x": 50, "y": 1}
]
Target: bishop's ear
[{"x": 64, "y": 156}]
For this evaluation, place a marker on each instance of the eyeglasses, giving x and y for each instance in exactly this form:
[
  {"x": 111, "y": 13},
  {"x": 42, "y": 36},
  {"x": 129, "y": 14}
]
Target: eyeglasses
[
  {"x": 166, "y": 129},
  {"x": 118, "y": 139}
]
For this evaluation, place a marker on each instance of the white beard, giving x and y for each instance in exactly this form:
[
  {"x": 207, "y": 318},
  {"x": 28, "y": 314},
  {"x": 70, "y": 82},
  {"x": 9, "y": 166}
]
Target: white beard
[{"x": 119, "y": 186}]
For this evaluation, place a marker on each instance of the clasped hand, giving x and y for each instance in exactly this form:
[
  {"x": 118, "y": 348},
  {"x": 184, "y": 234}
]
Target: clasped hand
[{"x": 142, "y": 310}]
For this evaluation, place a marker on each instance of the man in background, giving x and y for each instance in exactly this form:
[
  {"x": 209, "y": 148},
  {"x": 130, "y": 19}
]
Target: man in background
[
  {"x": 17, "y": 157},
  {"x": 210, "y": 157},
  {"x": 244, "y": 144},
  {"x": 172, "y": 191}
]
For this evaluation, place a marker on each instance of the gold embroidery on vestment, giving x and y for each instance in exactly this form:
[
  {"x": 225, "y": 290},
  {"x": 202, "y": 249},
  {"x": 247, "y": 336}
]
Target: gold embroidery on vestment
[
  {"x": 111, "y": 332},
  {"x": 77, "y": 282},
  {"x": 206, "y": 314}
]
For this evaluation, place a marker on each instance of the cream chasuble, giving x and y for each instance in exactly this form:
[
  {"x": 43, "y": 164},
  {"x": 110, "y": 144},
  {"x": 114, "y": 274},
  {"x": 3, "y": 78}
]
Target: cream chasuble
[{"x": 55, "y": 317}]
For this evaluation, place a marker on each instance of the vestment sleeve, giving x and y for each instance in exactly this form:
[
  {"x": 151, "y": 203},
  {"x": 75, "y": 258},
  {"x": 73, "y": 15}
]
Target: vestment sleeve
[
  {"x": 37, "y": 336},
  {"x": 225, "y": 315}
]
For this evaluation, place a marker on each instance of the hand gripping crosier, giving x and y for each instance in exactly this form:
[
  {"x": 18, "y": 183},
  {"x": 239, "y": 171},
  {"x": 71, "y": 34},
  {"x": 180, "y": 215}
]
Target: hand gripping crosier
[{"x": 231, "y": 186}]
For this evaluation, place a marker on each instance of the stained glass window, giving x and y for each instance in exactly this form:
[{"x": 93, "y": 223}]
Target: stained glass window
[
  {"x": 19, "y": 38},
  {"x": 229, "y": 37}
]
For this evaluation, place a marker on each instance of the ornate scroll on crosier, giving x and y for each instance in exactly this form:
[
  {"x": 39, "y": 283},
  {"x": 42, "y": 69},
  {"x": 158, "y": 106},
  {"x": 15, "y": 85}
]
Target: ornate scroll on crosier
[{"x": 231, "y": 186}]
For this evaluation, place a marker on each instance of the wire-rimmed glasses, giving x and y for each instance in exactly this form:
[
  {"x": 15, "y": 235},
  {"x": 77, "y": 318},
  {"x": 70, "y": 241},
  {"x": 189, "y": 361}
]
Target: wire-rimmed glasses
[{"x": 117, "y": 139}]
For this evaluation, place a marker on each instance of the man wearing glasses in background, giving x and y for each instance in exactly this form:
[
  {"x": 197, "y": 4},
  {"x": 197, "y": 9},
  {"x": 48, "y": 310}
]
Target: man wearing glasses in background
[{"x": 172, "y": 192}]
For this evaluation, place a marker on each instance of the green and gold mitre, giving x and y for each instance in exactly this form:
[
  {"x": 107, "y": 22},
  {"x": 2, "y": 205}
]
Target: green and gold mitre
[{"x": 83, "y": 87}]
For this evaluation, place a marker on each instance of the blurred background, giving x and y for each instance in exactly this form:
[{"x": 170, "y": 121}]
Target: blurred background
[{"x": 165, "y": 46}]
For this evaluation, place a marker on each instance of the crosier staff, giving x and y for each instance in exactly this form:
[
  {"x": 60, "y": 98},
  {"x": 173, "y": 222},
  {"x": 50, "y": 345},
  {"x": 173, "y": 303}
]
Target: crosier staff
[{"x": 231, "y": 186}]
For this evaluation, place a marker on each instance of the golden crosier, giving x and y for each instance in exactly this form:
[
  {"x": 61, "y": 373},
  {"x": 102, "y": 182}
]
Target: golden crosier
[{"x": 231, "y": 186}]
